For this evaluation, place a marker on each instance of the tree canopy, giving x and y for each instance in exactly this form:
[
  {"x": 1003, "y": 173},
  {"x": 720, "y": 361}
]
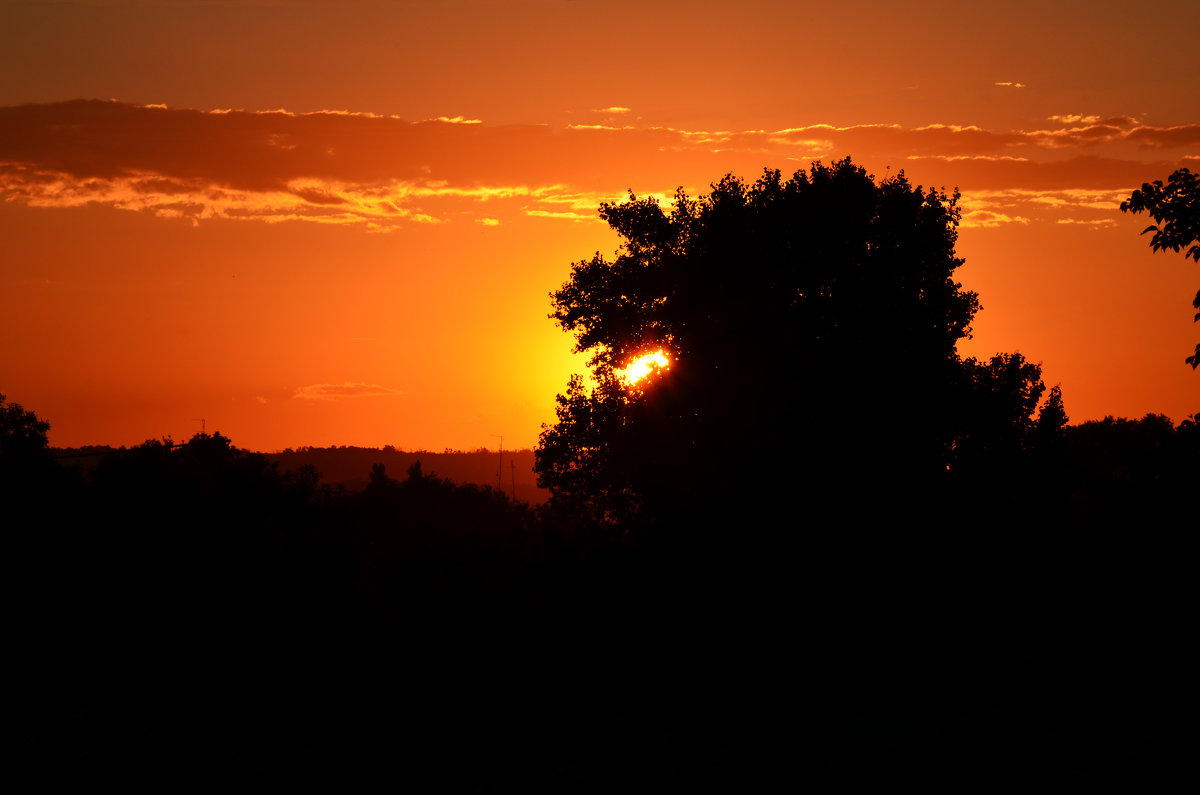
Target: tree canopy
[
  {"x": 24, "y": 461},
  {"x": 22, "y": 432},
  {"x": 809, "y": 325},
  {"x": 1175, "y": 207}
]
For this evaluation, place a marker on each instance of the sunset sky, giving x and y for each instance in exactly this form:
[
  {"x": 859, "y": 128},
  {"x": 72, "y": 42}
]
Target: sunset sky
[{"x": 315, "y": 223}]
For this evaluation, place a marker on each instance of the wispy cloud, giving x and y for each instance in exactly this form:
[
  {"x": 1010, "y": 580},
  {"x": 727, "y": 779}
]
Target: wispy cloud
[
  {"x": 381, "y": 172},
  {"x": 347, "y": 389},
  {"x": 987, "y": 219},
  {"x": 990, "y": 208},
  {"x": 567, "y": 215},
  {"x": 1075, "y": 118},
  {"x": 1095, "y": 223},
  {"x": 1078, "y": 118},
  {"x": 1163, "y": 137},
  {"x": 978, "y": 158}
]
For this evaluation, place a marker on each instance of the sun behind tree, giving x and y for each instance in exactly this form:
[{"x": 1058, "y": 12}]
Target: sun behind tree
[
  {"x": 810, "y": 325},
  {"x": 644, "y": 365}
]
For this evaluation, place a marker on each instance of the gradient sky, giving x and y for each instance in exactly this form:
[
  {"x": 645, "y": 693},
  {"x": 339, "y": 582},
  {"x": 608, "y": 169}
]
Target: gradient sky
[{"x": 320, "y": 223}]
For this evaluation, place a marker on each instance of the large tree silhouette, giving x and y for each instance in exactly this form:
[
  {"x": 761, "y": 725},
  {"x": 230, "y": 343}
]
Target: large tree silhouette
[
  {"x": 1175, "y": 207},
  {"x": 22, "y": 433},
  {"x": 26, "y": 470},
  {"x": 811, "y": 328}
]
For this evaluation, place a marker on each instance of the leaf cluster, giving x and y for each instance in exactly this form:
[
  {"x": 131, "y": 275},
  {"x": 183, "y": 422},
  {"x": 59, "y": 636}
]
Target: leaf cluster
[
  {"x": 817, "y": 313},
  {"x": 1175, "y": 207},
  {"x": 828, "y": 258}
]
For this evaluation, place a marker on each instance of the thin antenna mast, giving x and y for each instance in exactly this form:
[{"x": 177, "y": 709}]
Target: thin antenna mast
[
  {"x": 203, "y": 425},
  {"x": 500, "y": 471}
]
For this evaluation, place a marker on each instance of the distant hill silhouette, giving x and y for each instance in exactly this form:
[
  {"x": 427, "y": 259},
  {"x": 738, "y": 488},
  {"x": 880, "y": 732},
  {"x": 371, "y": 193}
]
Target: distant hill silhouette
[{"x": 350, "y": 467}]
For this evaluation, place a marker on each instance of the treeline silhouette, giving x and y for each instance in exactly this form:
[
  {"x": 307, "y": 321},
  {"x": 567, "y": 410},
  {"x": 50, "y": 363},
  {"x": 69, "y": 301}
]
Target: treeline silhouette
[
  {"x": 198, "y": 614},
  {"x": 350, "y": 466}
]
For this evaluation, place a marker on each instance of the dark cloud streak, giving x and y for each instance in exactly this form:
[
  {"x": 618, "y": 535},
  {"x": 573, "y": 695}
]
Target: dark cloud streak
[{"x": 363, "y": 167}]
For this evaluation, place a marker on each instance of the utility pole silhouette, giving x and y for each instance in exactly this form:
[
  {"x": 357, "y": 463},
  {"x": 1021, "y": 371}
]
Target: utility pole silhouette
[
  {"x": 500, "y": 471},
  {"x": 203, "y": 426}
]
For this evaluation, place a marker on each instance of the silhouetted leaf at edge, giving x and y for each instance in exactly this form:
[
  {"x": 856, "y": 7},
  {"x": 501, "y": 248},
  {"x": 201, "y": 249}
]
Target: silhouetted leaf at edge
[{"x": 1176, "y": 208}]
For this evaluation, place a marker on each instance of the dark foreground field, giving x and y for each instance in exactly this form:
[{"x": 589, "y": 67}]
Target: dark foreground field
[{"x": 194, "y": 615}]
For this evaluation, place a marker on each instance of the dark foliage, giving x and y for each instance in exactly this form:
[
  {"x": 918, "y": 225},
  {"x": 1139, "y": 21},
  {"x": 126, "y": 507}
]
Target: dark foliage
[
  {"x": 22, "y": 433},
  {"x": 28, "y": 477},
  {"x": 189, "y": 615},
  {"x": 811, "y": 326},
  {"x": 1175, "y": 207}
]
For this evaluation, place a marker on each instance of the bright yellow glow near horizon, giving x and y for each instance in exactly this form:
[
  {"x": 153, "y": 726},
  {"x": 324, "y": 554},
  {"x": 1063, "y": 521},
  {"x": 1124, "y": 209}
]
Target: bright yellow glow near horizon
[
  {"x": 308, "y": 258},
  {"x": 644, "y": 365}
]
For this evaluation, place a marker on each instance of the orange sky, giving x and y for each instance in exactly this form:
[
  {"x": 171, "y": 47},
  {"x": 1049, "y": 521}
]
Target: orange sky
[{"x": 319, "y": 223}]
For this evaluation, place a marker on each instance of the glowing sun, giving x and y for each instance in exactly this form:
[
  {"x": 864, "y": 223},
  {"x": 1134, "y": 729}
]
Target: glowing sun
[{"x": 644, "y": 365}]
